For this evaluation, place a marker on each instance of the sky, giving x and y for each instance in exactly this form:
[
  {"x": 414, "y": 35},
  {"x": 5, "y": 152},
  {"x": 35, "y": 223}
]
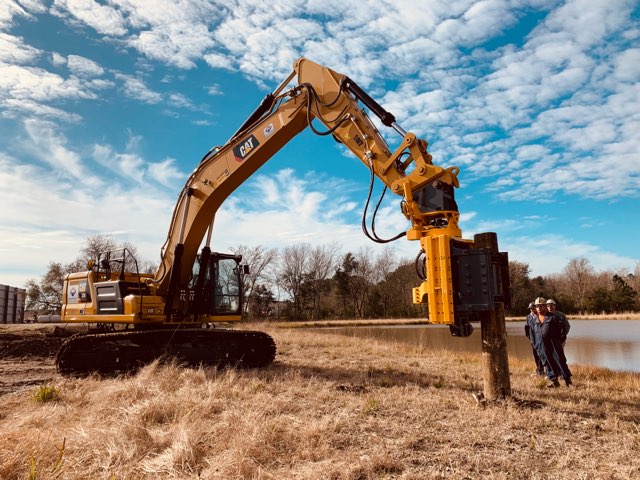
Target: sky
[{"x": 107, "y": 107}]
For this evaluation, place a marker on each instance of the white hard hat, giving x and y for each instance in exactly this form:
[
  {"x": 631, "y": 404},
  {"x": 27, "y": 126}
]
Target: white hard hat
[
  {"x": 551, "y": 300},
  {"x": 540, "y": 301}
]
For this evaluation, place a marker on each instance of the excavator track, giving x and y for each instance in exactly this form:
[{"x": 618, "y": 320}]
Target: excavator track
[{"x": 126, "y": 351}]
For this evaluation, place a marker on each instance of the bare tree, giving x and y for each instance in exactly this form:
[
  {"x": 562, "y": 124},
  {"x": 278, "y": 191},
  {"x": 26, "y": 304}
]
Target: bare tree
[
  {"x": 292, "y": 269},
  {"x": 384, "y": 265},
  {"x": 521, "y": 292},
  {"x": 400, "y": 285},
  {"x": 364, "y": 276},
  {"x": 633, "y": 279},
  {"x": 322, "y": 263},
  {"x": 579, "y": 274},
  {"x": 46, "y": 296},
  {"x": 96, "y": 244},
  {"x": 134, "y": 262},
  {"x": 259, "y": 260}
]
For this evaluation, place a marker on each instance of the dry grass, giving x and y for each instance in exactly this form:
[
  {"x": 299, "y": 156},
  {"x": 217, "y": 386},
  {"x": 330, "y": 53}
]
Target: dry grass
[{"x": 330, "y": 407}]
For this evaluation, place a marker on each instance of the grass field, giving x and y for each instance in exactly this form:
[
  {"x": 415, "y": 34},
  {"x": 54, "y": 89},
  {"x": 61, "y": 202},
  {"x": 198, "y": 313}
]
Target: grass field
[{"x": 330, "y": 407}]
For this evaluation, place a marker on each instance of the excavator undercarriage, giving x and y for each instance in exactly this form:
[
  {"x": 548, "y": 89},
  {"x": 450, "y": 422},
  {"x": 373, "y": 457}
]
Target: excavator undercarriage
[
  {"x": 133, "y": 325},
  {"x": 126, "y": 351}
]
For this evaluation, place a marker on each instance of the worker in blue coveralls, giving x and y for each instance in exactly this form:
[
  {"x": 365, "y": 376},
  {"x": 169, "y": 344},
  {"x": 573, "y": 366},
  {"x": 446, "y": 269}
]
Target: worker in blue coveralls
[
  {"x": 533, "y": 317},
  {"x": 549, "y": 335},
  {"x": 553, "y": 308}
]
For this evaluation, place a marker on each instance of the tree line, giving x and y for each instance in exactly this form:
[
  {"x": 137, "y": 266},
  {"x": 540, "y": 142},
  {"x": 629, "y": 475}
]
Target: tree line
[
  {"x": 578, "y": 288},
  {"x": 314, "y": 282}
]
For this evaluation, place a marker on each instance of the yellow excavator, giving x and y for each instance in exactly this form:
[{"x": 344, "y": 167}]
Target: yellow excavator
[{"x": 137, "y": 317}]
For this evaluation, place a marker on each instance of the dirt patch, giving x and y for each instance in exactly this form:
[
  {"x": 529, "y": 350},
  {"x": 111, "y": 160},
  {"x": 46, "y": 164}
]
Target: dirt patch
[
  {"x": 27, "y": 355},
  {"x": 29, "y": 345}
]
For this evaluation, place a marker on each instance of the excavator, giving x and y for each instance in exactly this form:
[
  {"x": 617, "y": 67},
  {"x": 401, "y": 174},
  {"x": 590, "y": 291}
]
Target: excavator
[{"x": 137, "y": 317}]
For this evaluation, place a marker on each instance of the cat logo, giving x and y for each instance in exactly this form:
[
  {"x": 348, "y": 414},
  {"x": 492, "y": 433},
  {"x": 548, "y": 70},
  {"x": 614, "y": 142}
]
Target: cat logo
[{"x": 245, "y": 147}]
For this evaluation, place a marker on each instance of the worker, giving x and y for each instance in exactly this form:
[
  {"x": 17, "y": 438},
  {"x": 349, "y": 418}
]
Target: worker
[
  {"x": 533, "y": 317},
  {"x": 549, "y": 335},
  {"x": 551, "y": 305}
]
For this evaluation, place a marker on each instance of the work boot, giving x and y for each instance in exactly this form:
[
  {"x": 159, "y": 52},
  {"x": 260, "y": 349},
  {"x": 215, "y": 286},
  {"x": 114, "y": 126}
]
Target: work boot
[
  {"x": 568, "y": 381},
  {"x": 554, "y": 383}
]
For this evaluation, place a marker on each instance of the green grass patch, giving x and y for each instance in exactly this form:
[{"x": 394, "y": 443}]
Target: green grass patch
[{"x": 46, "y": 394}]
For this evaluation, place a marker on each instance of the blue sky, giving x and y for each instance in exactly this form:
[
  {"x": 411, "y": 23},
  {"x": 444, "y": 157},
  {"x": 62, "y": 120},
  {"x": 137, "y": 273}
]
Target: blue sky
[{"x": 106, "y": 107}]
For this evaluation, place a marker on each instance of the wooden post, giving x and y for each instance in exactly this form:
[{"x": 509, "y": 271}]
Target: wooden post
[{"x": 495, "y": 360}]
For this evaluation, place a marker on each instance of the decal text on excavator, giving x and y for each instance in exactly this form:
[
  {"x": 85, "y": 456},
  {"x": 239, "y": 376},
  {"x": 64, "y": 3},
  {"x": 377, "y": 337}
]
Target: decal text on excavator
[{"x": 244, "y": 148}]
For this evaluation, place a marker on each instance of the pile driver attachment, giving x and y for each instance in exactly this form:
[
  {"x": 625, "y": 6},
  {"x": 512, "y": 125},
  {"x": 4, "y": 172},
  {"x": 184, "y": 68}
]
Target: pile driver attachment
[{"x": 462, "y": 282}]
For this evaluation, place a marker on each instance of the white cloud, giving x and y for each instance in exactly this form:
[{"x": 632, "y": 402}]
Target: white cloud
[
  {"x": 131, "y": 166},
  {"x": 160, "y": 12},
  {"x": 31, "y": 108},
  {"x": 178, "y": 44},
  {"x": 50, "y": 147},
  {"x": 215, "y": 89},
  {"x": 482, "y": 20},
  {"x": 588, "y": 23},
  {"x": 557, "y": 250},
  {"x": 29, "y": 89},
  {"x": 58, "y": 60},
  {"x": 263, "y": 45},
  {"x": 181, "y": 101},
  {"x": 99, "y": 84},
  {"x": 217, "y": 60},
  {"x": 84, "y": 67},
  {"x": 554, "y": 94},
  {"x": 102, "y": 18},
  {"x": 174, "y": 32},
  {"x": 73, "y": 211},
  {"x": 135, "y": 88},
  {"x": 126, "y": 165},
  {"x": 165, "y": 172},
  {"x": 25, "y": 8},
  {"x": 627, "y": 65},
  {"x": 286, "y": 209},
  {"x": 13, "y": 50}
]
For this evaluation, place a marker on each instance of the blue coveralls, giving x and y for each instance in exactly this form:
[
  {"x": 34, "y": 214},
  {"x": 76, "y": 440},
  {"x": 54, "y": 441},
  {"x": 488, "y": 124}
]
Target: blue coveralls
[
  {"x": 527, "y": 332},
  {"x": 565, "y": 323},
  {"x": 548, "y": 337}
]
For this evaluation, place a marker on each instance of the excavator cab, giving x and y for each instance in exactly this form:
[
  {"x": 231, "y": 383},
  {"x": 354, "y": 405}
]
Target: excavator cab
[{"x": 217, "y": 293}]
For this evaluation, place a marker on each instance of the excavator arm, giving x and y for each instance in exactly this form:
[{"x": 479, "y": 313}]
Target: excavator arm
[{"x": 333, "y": 100}]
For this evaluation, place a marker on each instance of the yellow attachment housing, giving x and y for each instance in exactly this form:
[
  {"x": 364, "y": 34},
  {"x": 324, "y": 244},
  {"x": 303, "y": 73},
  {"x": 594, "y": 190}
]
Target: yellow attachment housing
[{"x": 437, "y": 289}]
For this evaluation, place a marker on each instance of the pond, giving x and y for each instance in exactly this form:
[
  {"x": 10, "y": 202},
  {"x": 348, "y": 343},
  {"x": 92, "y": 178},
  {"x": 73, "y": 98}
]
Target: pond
[{"x": 613, "y": 344}]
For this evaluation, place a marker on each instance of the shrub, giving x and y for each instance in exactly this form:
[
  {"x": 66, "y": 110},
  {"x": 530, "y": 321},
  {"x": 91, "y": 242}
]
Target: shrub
[{"x": 46, "y": 394}]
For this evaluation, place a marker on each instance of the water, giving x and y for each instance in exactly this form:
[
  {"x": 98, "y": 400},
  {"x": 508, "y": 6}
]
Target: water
[{"x": 613, "y": 344}]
